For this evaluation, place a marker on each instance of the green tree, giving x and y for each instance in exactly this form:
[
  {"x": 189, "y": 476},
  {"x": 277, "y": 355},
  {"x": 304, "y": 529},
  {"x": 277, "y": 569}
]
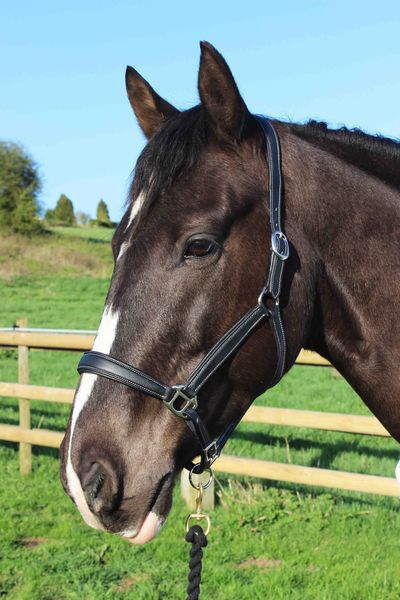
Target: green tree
[
  {"x": 19, "y": 190},
  {"x": 49, "y": 215},
  {"x": 63, "y": 214},
  {"x": 102, "y": 215}
]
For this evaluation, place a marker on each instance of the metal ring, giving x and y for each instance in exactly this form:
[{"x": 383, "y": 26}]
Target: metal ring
[
  {"x": 277, "y": 237},
  {"x": 203, "y": 485}
]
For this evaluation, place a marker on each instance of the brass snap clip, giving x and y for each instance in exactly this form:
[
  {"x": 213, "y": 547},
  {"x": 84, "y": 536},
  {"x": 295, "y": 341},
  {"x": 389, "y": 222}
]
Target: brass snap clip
[{"x": 199, "y": 515}]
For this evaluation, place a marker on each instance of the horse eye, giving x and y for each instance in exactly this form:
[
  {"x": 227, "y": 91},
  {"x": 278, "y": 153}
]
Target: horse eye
[{"x": 199, "y": 248}]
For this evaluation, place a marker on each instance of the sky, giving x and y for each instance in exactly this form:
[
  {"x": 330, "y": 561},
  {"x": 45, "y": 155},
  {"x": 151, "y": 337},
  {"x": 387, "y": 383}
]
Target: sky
[{"x": 62, "y": 67}]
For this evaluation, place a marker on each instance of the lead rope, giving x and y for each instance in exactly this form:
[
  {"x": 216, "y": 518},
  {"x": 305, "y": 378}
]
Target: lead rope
[
  {"x": 196, "y": 536},
  {"x": 198, "y": 539}
]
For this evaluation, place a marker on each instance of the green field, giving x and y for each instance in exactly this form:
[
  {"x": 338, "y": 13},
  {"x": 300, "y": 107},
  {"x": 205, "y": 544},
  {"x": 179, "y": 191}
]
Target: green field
[
  {"x": 62, "y": 251},
  {"x": 269, "y": 540},
  {"x": 102, "y": 234}
]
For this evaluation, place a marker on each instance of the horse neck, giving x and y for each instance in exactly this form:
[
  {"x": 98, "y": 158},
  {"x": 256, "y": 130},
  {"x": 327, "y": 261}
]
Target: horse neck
[{"x": 351, "y": 221}]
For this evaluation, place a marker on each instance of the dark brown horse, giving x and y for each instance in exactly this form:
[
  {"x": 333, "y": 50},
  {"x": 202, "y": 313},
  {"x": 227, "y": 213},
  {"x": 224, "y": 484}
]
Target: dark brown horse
[{"x": 191, "y": 255}]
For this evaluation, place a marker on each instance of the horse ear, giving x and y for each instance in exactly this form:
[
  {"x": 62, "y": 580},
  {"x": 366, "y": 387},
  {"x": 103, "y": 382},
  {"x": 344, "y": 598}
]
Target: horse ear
[
  {"x": 150, "y": 109},
  {"x": 219, "y": 93}
]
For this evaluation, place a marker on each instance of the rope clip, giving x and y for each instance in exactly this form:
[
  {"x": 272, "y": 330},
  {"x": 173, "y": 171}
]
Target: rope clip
[{"x": 199, "y": 515}]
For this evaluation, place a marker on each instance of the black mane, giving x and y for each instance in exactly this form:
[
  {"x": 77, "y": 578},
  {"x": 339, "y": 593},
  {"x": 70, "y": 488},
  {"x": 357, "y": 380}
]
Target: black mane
[
  {"x": 174, "y": 149},
  {"x": 373, "y": 153}
]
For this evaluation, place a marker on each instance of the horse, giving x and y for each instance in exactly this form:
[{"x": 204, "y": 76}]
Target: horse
[{"x": 191, "y": 253}]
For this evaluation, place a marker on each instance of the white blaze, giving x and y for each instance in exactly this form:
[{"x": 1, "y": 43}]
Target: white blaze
[
  {"x": 122, "y": 250},
  {"x": 103, "y": 342},
  {"x": 136, "y": 206}
]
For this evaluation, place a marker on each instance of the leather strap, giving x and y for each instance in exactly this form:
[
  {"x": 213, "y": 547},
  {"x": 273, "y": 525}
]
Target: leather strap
[
  {"x": 280, "y": 341},
  {"x": 107, "y": 366},
  {"x": 279, "y": 242},
  {"x": 229, "y": 344}
]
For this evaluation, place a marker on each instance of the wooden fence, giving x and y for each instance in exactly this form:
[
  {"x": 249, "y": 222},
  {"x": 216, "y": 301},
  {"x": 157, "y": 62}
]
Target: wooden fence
[{"x": 26, "y": 436}]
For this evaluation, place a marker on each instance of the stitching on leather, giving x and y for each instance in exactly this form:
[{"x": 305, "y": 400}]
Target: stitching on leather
[
  {"x": 126, "y": 366},
  {"x": 278, "y": 343},
  {"x": 283, "y": 338},
  {"x": 200, "y": 367},
  {"x": 224, "y": 358},
  {"x": 120, "y": 379},
  {"x": 278, "y": 153},
  {"x": 225, "y": 338},
  {"x": 281, "y": 343}
]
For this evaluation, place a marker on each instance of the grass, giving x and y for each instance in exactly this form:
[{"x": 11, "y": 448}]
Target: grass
[
  {"x": 268, "y": 540},
  {"x": 53, "y": 301},
  {"x": 97, "y": 234},
  {"x": 65, "y": 252},
  {"x": 265, "y": 543}
]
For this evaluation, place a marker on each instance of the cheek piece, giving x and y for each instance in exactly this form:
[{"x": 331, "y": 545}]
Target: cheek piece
[{"x": 182, "y": 399}]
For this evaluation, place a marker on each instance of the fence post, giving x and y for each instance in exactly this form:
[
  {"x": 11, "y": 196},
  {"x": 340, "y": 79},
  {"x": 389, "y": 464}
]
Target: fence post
[
  {"x": 25, "y": 449},
  {"x": 189, "y": 494}
]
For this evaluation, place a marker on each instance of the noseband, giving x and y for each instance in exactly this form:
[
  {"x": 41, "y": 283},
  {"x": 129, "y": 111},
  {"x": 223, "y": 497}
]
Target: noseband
[{"x": 182, "y": 399}]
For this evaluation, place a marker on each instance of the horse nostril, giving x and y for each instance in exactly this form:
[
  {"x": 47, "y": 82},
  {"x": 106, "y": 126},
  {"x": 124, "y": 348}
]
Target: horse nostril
[{"x": 97, "y": 486}]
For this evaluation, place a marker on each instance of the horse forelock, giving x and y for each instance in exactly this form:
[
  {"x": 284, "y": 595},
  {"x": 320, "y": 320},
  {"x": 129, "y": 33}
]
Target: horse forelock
[{"x": 173, "y": 150}]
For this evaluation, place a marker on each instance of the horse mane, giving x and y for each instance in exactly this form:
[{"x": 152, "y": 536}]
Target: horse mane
[
  {"x": 376, "y": 154},
  {"x": 176, "y": 147}
]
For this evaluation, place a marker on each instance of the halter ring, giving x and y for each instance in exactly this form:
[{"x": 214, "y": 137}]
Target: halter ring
[{"x": 204, "y": 486}]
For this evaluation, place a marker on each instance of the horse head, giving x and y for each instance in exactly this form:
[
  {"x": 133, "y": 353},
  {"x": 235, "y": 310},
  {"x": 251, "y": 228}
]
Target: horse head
[{"x": 191, "y": 256}]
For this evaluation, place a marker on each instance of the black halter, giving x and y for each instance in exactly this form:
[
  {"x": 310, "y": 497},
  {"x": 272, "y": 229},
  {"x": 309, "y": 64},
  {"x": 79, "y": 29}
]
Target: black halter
[{"x": 182, "y": 399}]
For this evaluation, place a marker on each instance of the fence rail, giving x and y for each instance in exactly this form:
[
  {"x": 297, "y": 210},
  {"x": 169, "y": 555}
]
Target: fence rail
[
  {"x": 66, "y": 340},
  {"x": 267, "y": 415}
]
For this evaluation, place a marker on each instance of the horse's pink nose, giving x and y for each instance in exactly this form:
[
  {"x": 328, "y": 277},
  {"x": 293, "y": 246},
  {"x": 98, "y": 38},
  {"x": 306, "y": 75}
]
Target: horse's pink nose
[{"x": 100, "y": 486}]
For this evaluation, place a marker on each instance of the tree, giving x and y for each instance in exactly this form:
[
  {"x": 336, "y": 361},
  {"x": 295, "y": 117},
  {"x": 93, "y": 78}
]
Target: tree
[
  {"x": 63, "y": 213},
  {"x": 102, "y": 215},
  {"x": 19, "y": 190},
  {"x": 49, "y": 215}
]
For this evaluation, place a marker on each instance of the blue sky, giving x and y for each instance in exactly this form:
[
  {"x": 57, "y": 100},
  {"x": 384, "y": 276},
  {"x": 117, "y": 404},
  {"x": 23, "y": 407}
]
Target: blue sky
[{"x": 62, "y": 71}]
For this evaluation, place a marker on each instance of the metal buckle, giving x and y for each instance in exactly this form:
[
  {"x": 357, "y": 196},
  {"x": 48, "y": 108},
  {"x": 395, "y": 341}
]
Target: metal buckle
[
  {"x": 211, "y": 453},
  {"x": 265, "y": 294},
  {"x": 262, "y": 295},
  {"x": 276, "y": 238},
  {"x": 190, "y": 403}
]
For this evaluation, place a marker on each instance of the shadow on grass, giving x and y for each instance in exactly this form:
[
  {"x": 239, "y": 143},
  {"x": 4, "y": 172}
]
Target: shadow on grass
[
  {"x": 44, "y": 451},
  {"x": 36, "y": 450},
  {"x": 94, "y": 240},
  {"x": 345, "y": 497},
  {"x": 329, "y": 450}
]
